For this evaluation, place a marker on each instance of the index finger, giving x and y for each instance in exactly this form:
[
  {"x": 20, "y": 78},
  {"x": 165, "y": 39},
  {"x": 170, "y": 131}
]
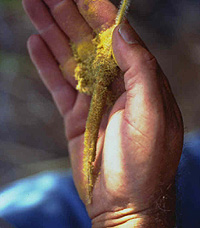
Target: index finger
[{"x": 99, "y": 14}]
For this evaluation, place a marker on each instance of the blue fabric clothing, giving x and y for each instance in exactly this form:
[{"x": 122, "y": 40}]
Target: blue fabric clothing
[
  {"x": 50, "y": 200},
  {"x": 188, "y": 183},
  {"x": 47, "y": 200}
]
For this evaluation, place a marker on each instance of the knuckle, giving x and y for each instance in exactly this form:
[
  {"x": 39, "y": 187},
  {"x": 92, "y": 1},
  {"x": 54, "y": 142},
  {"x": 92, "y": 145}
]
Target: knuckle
[{"x": 149, "y": 61}]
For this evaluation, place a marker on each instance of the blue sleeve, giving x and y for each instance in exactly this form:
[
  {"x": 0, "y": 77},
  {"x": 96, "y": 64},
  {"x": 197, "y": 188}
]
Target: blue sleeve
[
  {"x": 48, "y": 200},
  {"x": 188, "y": 183}
]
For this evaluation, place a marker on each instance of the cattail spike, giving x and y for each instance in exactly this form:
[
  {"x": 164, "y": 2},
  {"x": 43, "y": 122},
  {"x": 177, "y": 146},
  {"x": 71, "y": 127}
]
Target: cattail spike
[{"x": 122, "y": 11}]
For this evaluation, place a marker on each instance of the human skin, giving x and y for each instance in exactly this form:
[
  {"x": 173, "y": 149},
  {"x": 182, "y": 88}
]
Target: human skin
[{"x": 140, "y": 138}]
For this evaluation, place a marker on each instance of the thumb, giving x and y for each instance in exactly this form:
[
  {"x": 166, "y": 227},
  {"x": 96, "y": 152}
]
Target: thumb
[
  {"x": 128, "y": 48},
  {"x": 141, "y": 78}
]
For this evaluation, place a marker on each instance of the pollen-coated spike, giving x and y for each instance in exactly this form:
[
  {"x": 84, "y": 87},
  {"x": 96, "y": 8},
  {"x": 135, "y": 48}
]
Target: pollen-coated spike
[{"x": 95, "y": 71}]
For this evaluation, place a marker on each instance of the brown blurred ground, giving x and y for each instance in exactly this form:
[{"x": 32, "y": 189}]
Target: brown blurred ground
[{"x": 31, "y": 133}]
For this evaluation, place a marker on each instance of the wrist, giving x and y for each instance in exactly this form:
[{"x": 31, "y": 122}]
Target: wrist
[
  {"x": 142, "y": 220},
  {"x": 161, "y": 214},
  {"x": 121, "y": 218}
]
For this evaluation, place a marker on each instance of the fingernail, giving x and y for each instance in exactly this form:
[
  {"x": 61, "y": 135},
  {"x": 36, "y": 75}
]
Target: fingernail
[{"x": 127, "y": 34}]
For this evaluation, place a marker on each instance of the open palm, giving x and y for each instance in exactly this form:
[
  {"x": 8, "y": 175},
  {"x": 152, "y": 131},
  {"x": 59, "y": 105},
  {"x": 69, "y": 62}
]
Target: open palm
[{"x": 140, "y": 139}]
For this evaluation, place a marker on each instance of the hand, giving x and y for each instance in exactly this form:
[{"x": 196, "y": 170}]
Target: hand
[{"x": 140, "y": 139}]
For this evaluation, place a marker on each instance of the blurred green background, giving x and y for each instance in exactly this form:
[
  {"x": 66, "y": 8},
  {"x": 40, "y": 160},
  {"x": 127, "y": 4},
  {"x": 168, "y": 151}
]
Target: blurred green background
[{"x": 31, "y": 129}]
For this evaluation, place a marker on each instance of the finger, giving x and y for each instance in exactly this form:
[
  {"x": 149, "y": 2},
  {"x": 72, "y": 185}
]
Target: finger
[
  {"x": 69, "y": 19},
  {"x": 53, "y": 36},
  {"x": 45, "y": 24},
  {"x": 98, "y": 14},
  {"x": 62, "y": 92},
  {"x": 76, "y": 119}
]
